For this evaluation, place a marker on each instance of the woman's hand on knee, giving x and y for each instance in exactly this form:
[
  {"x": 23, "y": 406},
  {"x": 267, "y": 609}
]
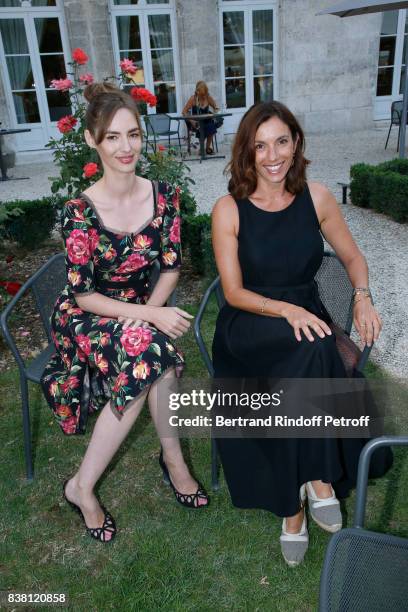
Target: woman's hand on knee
[
  {"x": 303, "y": 320},
  {"x": 171, "y": 320}
]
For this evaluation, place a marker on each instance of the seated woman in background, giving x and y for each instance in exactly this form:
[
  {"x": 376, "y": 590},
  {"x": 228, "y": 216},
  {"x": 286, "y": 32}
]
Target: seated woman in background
[{"x": 199, "y": 104}]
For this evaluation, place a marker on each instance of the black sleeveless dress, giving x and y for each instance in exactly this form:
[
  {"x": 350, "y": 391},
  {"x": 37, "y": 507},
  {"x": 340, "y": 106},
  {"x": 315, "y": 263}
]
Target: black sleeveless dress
[{"x": 280, "y": 253}]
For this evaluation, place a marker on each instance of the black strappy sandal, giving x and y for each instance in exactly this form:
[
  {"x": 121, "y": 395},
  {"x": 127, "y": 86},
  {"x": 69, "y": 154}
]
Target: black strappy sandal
[
  {"x": 98, "y": 533},
  {"x": 189, "y": 500}
]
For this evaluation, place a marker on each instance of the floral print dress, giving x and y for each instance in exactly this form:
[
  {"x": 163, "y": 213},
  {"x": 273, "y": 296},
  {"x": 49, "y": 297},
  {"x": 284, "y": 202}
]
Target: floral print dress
[{"x": 96, "y": 359}]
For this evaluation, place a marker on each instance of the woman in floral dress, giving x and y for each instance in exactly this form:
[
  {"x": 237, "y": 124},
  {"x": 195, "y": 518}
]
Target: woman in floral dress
[{"x": 113, "y": 339}]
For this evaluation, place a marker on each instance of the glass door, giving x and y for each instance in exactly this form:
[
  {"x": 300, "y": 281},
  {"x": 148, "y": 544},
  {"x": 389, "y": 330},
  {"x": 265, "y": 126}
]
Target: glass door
[
  {"x": 32, "y": 54},
  {"x": 146, "y": 35},
  {"x": 248, "y": 56},
  {"x": 391, "y": 62}
]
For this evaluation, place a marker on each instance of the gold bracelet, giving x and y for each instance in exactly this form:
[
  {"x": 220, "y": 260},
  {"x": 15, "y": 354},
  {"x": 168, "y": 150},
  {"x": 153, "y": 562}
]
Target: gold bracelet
[{"x": 263, "y": 304}]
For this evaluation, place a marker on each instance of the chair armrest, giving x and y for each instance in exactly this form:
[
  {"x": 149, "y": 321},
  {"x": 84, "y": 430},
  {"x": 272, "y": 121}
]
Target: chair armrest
[
  {"x": 197, "y": 327},
  {"x": 362, "y": 474},
  {"x": 364, "y": 358}
]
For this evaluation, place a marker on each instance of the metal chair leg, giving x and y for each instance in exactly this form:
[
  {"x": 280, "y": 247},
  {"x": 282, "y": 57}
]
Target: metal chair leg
[
  {"x": 26, "y": 429},
  {"x": 215, "y": 485},
  {"x": 388, "y": 137}
]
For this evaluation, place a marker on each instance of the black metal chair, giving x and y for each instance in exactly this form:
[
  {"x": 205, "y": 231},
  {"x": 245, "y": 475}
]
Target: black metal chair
[
  {"x": 336, "y": 293},
  {"x": 160, "y": 125},
  {"x": 46, "y": 284},
  {"x": 364, "y": 570},
  {"x": 396, "y": 116}
]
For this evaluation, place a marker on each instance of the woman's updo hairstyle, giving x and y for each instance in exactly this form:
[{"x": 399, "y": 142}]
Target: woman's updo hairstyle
[{"x": 105, "y": 99}]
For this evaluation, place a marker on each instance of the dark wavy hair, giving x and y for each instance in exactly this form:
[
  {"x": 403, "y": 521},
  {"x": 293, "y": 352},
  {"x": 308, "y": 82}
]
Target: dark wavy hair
[
  {"x": 105, "y": 99},
  {"x": 241, "y": 168}
]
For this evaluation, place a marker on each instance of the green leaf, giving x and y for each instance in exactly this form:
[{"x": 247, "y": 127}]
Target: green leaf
[{"x": 155, "y": 348}]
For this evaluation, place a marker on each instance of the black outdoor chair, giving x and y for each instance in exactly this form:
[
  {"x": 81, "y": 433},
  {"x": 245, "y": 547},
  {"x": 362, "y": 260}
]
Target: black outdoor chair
[
  {"x": 160, "y": 125},
  {"x": 336, "y": 293},
  {"x": 396, "y": 116},
  {"x": 365, "y": 571},
  {"x": 46, "y": 284}
]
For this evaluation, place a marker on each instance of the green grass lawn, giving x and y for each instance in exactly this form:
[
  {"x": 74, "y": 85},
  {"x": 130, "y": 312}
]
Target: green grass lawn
[{"x": 165, "y": 557}]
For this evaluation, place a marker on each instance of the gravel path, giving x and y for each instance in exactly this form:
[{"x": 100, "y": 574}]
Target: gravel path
[{"x": 383, "y": 242}]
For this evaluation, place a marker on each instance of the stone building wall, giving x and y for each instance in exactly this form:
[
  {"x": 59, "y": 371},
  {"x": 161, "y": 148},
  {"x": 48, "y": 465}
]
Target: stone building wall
[{"x": 327, "y": 66}]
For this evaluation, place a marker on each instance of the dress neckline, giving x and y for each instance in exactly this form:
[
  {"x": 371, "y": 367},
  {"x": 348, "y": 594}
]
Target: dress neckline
[
  {"x": 119, "y": 232},
  {"x": 275, "y": 212}
]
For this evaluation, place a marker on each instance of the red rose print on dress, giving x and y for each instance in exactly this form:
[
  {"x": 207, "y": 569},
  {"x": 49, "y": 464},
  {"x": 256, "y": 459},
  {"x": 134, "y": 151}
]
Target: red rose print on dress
[
  {"x": 175, "y": 230},
  {"x": 78, "y": 247},
  {"x": 110, "y": 253},
  {"x": 169, "y": 258},
  {"x": 120, "y": 382},
  {"x": 101, "y": 363},
  {"x": 105, "y": 339},
  {"x": 74, "y": 278},
  {"x": 93, "y": 239},
  {"x": 161, "y": 204},
  {"x": 135, "y": 341},
  {"x": 72, "y": 382},
  {"x": 119, "y": 279},
  {"x": 69, "y": 425},
  {"x": 141, "y": 370},
  {"x": 132, "y": 263},
  {"x": 142, "y": 242},
  {"x": 63, "y": 411},
  {"x": 84, "y": 343}
]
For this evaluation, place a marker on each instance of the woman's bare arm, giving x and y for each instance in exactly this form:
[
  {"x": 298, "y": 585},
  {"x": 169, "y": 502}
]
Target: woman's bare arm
[{"x": 338, "y": 235}]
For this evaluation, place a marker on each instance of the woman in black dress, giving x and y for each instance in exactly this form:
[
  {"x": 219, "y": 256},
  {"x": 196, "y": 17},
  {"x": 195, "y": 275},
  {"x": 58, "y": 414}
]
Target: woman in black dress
[
  {"x": 267, "y": 236},
  {"x": 114, "y": 339}
]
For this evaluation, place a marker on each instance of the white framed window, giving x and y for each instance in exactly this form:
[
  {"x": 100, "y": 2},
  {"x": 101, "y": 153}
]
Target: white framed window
[
  {"x": 248, "y": 34},
  {"x": 145, "y": 32},
  {"x": 391, "y": 61},
  {"x": 34, "y": 50}
]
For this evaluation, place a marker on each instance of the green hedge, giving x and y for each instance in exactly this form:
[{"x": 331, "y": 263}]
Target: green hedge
[
  {"x": 34, "y": 223},
  {"x": 384, "y": 188},
  {"x": 196, "y": 235}
]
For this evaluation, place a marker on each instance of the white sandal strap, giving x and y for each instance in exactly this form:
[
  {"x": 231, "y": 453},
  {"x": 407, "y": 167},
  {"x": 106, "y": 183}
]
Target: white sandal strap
[
  {"x": 294, "y": 537},
  {"x": 330, "y": 501}
]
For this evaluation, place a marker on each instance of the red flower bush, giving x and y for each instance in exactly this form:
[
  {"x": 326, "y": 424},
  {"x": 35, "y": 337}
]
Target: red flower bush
[
  {"x": 10, "y": 287},
  {"x": 135, "y": 341},
  {"x": 143, "y": 95},
  {"x": 66, "y": 124},
  {"x": 128, "y": 66},
  {"x": 79, "y": 56},
  {"x": 86, "y": 79},
  {"x": 90, "y": 169},
  {"x": 61, "y": 84},
  {"x": 78, "y": 247}
]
